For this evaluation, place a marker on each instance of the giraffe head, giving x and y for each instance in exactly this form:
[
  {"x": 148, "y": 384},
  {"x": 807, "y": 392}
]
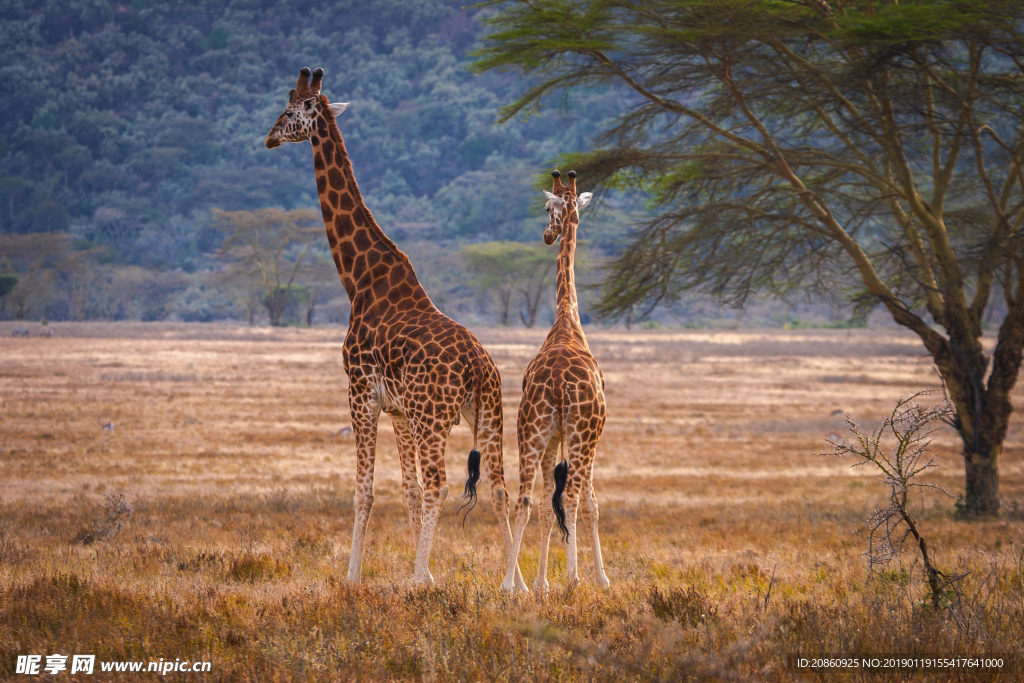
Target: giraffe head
[
  {"x": 305, "y": 105},
  {"x": 562, "y": 201}
]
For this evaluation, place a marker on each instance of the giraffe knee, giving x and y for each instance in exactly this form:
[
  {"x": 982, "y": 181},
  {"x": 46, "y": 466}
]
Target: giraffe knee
[
  {"x": 363, "y": 502},
  {"x": 413, "y": 497},
  {"x": 524, "y": 502},
  {"x": 499, "y": 494}
]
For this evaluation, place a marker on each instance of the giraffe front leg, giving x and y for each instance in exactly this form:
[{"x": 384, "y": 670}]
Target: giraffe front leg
[
  {"x": 430, "y": 443},
  {"x": 412, "y": 492},
  {"x": 365, "y": 411}
]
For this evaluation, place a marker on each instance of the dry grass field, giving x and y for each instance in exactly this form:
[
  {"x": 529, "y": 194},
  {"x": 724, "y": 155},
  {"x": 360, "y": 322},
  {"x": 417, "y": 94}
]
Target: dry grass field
[{"x": 729, "y": 541}]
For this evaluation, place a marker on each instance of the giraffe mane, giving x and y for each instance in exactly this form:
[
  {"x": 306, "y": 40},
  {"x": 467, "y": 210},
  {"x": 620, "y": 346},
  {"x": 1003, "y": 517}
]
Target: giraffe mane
[{"x": 332, "y": 128}]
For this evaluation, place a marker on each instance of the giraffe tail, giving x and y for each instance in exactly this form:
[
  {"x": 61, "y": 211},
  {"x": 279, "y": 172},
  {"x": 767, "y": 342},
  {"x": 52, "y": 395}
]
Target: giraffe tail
[
  {"x": 562, "y": 468},
  {"x": 473, "y": 467},
  {"x": 473, "y": 462},
  {"x": 561, "y": 477}
]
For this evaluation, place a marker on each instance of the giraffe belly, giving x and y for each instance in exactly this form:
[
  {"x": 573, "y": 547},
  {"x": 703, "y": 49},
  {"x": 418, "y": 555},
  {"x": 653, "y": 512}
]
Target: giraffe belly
[{"x": 387, "y": 398}]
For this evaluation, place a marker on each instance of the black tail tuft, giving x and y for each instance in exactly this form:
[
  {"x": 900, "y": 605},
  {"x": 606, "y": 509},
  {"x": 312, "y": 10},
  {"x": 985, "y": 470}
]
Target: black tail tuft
[
  {"x": 561, "y": 477},
  {"x": 473, "y": 467}
]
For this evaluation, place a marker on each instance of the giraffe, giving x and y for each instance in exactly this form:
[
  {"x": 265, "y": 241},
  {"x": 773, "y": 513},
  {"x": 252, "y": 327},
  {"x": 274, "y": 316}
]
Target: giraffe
[
  {"x": 402, "y": 355},
  {"x": 562, "y": 405}
]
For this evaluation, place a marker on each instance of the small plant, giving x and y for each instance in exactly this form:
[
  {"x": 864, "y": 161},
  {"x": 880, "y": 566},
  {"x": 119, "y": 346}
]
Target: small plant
[
  {"x": 117, "y": 510},
  {"x": 691, "y": 606},
  {"x": 899, "y": 449},
  {"x": 250, "y": 568},
  {"x": 10, "y": 550}
]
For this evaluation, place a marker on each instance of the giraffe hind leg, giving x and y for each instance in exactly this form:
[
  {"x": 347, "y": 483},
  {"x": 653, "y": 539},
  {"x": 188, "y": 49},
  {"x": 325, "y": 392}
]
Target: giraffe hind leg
[
  {"x": 489, "y": 441},
  {"x": 531, "y": 448},
  {"x": 590, "y": 516},
  {"x": 412, "y": 492},
  {"x": 430, "y": 444},
  {"x": 546, "y": 513},
  {"x": 564, "y": 504},
  {"x": 582, "y": 432}
]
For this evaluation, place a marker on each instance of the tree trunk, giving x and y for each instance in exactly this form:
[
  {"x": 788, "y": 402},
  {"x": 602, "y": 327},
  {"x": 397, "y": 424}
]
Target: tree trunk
[
  {"x": 983, "y": 408},
  {"x": 981, "y": 490},
  {"x": 275, "y": 302},
  {"x": 311, "y": 307},
  {"x": 504, "y": 299},
  {"x": 532, "y": 303}
]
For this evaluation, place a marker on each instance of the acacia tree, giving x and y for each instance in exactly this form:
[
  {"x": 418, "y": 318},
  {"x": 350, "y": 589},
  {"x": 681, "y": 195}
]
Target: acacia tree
[
  {"x": 273, "y": 243},
  {"x": 243, "y": 286},
  {"x": 495, "y": 272},
  {"x": 35, "y": 259},
  {"x": 537, "y": 264},
  {"x": 789, "y": 146},
  {"x": 504, "y": 268},
  {"x": 319, "y": 272}
]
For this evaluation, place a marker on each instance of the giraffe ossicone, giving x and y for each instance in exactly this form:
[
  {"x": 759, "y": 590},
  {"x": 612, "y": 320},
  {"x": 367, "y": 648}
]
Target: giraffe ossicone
[
  {"x": 401, "y": 354},
  {"x": 562, "y": 408}
]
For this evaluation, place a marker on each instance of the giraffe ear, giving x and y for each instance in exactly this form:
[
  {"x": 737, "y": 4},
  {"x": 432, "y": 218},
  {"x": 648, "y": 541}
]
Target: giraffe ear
[
  {"x": 553, "y": 197},
  {"x": 338, "y": 107},
  {"x": 584, "y": 199}
]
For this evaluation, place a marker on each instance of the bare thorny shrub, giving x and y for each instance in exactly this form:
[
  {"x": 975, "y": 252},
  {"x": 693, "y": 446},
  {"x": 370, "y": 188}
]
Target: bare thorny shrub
[
  {"x": 117, "y": 510},
  {"x": 899, "y": 449}
]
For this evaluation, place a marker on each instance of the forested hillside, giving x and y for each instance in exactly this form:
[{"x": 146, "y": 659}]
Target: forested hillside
[{"x": 126, "y": 124}]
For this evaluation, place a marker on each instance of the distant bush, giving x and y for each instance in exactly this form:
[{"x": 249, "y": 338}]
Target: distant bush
[
  {"x": 856, "y": 322},
  {"x": 253, "y": 567}
]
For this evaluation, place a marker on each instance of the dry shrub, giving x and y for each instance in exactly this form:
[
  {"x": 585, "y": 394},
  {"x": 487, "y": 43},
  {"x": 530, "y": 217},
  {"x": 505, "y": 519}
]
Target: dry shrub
[
  {"x": 117, "y": 511},
  {"x": 250, "y": 568},
  {"x": 11, "y": 552},
  {"x": 690, "y": 606},
  {"x": 201, "y": 561},
  {"x": 313, "y": 543}
]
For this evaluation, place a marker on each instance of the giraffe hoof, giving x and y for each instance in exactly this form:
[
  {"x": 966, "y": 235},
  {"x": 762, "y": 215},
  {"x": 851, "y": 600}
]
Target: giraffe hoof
[
  {"x": 508, "y": 586},
  {"x": 541, "y": 586},
  {"x": 424, "y": 580}
]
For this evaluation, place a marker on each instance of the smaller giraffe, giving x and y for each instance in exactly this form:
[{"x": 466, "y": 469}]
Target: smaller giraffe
[{"x": 562, "y": 405}]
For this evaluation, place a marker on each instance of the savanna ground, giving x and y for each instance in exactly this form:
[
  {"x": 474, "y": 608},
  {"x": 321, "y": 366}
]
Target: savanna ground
[{"x": 729, "y": 541}]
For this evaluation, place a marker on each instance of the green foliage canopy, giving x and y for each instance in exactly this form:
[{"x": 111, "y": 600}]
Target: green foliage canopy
[
  {"x": 127, "y": 122},
  {"x": 865, "y": 149},
  {"x": 7, "y": 283},
  {"x": 276, "y": 245},
  {"x": 509, "y": 268}
]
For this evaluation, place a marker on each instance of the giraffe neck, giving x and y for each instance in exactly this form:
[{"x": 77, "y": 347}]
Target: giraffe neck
[
  {"x": 371, "y": 266},
  {"x": 567, "y": 312}
]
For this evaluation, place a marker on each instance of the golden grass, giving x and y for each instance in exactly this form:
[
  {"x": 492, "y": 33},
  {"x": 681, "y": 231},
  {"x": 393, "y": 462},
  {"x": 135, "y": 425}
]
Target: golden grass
[{"x": 237, "y": 543}]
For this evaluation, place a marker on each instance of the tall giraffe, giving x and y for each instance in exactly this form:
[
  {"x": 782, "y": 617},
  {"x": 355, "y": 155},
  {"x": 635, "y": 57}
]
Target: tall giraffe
[
  {"x": 562, "y": 404},
  {"x": 402, "y": 355}
]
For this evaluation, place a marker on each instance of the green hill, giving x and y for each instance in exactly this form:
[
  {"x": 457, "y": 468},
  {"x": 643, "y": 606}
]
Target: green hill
[{"x": 126, "y": 123}]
